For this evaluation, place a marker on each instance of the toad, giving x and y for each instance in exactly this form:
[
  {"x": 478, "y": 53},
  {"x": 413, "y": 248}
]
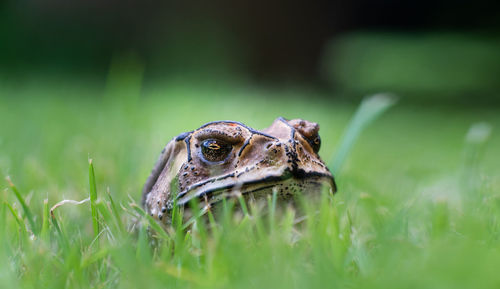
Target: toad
[{"x": 224, "y": 159}]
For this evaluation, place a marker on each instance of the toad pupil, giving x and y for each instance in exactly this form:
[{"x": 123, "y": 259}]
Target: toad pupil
[{"x": 215, "y": 150}]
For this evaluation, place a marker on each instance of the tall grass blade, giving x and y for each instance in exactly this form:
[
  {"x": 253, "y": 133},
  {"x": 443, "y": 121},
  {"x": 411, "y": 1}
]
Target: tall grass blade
[
  {"x": 45, "y": 222},
  {"x": 115, "y": 212},
  {"x": 143, "y": 250},
  {"x": 227, "y": 212},
  {"x": 93, "y": 199},
  {"x": 475, "y": 142},
  {"x": 3, "y": 220},
  {"x": 23, "y": 234},
  {"x": 19, "y": 221},
  {"x": 105, "y": 216},
  {"x": 243, "y": 205},
  {"x": 95, "y": 257},
  {"x": 368, "y": 111},
  {"x": 26, "y": 209},
  {"x": 211, "y": 221},
  {"x": 151, "y": 222},
  {"x": 63, "y": 241},
  {"x": 197, "y": 213},
  {"x": 272, "y": 209}
]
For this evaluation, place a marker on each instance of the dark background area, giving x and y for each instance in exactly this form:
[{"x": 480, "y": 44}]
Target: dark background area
[{"x": 266, "y": 41}]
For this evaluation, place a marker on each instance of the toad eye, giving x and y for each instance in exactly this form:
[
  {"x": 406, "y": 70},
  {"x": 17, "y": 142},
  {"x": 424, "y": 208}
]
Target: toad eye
[
  {"x": 316, "y": 143},
  {"x": 214, "y": 150}
]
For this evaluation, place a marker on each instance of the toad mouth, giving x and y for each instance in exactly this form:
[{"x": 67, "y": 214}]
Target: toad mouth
[{"x": 218, "y": 192}]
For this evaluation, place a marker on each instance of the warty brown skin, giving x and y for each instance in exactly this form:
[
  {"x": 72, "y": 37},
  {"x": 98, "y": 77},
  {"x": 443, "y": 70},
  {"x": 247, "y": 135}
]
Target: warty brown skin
[{"x": 225, "y": 158}]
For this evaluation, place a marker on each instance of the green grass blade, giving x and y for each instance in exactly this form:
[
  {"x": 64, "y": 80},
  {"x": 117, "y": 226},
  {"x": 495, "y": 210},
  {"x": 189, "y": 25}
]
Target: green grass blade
[
  {"x": 26, "y": 209},
  {"x": 45, "y": 223},
  {"x": 23, "y": 234},
  {"x": 368, "y": 111},
  {"x": 3, "y": 221},
  {"x": 227, "y": 212},
  {"x": 63, "y": 240},
  {"x": 212, "y": 224},
  {"x": 243, "y": 205},
  {"x": 176, "y": 216},
  {"x": 196, "y": 212},
  {"x": 151, "y": 222},
  {"x": 143, "y": 250},
  {"x": 271, "y": 200},
  {"x": 105, "y": 214},
  {"x": 95, "y": 257},
  {"x": 476, "y": 139},
  {"x": 19, "y": 221},
  {"x": 93, "y": 199},
  {"x": 115, "y": 212}
]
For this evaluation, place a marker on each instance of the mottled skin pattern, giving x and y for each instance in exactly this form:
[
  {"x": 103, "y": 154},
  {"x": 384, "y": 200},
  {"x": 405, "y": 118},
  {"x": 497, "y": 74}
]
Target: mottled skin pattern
[{"x": 284, "y": 157}]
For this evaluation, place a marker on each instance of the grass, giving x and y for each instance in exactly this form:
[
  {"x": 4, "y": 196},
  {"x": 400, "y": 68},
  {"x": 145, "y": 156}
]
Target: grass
[{"x": 418, "y": 203}]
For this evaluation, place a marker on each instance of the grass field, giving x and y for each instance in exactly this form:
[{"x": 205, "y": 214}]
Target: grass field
[{"x": 418, "y": 203}]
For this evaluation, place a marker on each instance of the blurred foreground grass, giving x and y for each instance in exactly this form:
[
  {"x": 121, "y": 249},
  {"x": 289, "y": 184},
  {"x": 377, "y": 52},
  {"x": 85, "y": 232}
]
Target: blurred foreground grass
[{"x": 418, "y": 204}]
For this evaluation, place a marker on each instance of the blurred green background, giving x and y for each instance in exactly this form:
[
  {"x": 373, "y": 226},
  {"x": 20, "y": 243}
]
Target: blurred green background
[
  {"x": 420, "y": 49},
  {"x": 418, "y": 202}
]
